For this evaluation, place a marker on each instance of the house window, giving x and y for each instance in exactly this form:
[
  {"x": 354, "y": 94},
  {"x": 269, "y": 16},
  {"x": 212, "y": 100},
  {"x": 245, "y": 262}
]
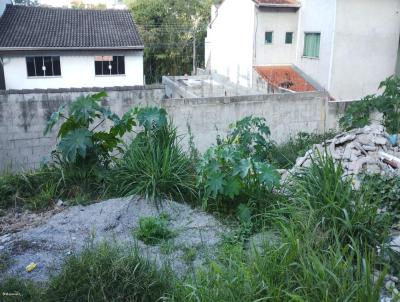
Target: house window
[
  {"x": 43, "y": 66},
  {"x": 109, "y": 65},
  {"x": 289, "y": 38},
  {"x": 268, "y": 37},
  {"x": 312, "y": 44}
]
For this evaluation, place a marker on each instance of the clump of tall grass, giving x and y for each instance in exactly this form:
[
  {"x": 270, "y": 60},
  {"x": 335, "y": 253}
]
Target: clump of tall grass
[
  {"x": 107, "y": 273},
  {"x": 291, "y": 270},
  {"x": 337, "y": 212},
  {"x": 156, "y": 167},
  {"x": 40, "y": 189}
]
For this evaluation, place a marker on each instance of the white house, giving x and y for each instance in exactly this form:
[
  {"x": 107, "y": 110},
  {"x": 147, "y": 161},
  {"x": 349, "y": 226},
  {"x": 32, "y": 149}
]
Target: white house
[
  {"x": 42, "y": 48},
  {"x": 343, "y": 46}
]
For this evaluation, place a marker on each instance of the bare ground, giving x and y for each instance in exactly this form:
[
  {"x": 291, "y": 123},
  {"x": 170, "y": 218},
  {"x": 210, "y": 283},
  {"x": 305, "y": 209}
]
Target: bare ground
[{"x": 48, "y": 239}]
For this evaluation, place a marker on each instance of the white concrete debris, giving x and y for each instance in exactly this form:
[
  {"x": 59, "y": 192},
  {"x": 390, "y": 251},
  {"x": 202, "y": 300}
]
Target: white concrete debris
[{"x": 360, "y": 151}]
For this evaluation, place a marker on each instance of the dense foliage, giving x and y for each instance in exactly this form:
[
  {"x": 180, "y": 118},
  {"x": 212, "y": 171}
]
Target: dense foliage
[
  {"x": 168, "y": 28},
  {"x": 324, "y": 234},
  {"x": 79, "y": 142},
  {"x": 234, "y": 171},
  {"x": 388, "y": 103},
  {"x": 155, "y": 165}
]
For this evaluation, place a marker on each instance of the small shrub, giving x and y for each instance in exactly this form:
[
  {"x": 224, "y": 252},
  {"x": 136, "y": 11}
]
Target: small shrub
[
  {"x": 79, "y": 142},
  {"x": 358, "y": 114},
  {"x": 106, "y": 273},
  {"x": 153, "y": 230},
  {"x": 233, "y": 172},
  {"x": 155, "y": 165}
]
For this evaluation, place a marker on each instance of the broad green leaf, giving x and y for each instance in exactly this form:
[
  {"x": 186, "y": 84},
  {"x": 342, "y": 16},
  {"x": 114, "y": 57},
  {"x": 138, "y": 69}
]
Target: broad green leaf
[
  {"x": 243, "y": 168},
  {"x": 54, "y": 118},
  {"x": 215, "y": 184},
  {"x": 107, "y": 141},
  {"x": 152, "y": 118},
  {"x": 99, "y": 96},
  {"x": 68, "y": 126},
  {"x": 75, "y": 143},
  {"x": 124, "y": 125},
  {"x": 85, "y": 109},
  {"x": 267, "y": 174},
  {"x": 232, "y": 188}
]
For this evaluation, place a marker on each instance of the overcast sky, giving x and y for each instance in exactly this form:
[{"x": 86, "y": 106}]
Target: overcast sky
[{"x": 59, "y": 3}]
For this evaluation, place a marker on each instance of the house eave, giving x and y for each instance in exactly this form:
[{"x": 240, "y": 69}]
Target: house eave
[
  {"x": 270, "y": 5},
  {"x": 17, "y": 49}
]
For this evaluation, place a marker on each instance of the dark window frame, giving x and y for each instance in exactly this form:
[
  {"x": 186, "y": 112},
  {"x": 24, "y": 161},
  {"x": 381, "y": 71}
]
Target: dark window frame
[
  {"x": 289, "y": 37},
  {"x": 117, "y": 66},
  {"x": 35, "y": 64},
  {"x": 266, "y": 39}
]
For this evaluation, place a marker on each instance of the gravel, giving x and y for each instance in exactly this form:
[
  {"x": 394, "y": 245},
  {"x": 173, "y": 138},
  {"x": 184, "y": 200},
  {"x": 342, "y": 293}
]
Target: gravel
[{"x": 69, "y": 231}]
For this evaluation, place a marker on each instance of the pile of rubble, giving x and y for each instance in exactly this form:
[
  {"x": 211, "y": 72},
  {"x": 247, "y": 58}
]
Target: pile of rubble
[{"x": 361, "y": 151}]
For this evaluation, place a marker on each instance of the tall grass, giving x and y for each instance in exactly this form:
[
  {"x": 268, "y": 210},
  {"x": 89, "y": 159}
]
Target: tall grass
[
  {"x": 41, "y": 188},
  {"x": 100, "y": 273},
  {"x": 289, "y": 271},
  {"x": 156, "y": 167},
  {"x": 107, "y": 273},
  {"x": 338, "y": 212}
]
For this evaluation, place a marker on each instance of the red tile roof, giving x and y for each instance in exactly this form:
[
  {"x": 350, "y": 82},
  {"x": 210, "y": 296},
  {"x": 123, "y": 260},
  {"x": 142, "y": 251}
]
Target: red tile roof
[
  {"x": 285, "y": 77},
  {"x": 278, "y": 2}
]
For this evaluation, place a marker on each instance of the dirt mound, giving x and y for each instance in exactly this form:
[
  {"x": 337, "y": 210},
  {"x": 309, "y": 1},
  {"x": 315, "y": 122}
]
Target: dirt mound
[{"x": 114, "y": 220}]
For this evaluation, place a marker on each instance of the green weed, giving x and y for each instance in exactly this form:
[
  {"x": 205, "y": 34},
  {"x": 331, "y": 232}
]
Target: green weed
[
  {"x": 156, "y": 167},
  {"x": 153, "y": 230}
]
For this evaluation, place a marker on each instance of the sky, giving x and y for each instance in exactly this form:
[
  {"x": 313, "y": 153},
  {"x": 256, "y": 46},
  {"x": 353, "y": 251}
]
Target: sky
[{"x": 59, "y": 3}]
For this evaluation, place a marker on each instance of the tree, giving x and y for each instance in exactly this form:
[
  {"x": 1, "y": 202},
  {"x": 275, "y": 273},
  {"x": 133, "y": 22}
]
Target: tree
[
  {"x": 26, "y": 2},
  {"x": 77, "y": 4},
  {"x": 168, "y": 28}
]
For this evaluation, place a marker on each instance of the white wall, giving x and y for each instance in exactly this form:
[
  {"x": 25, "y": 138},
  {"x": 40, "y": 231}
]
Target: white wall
[
  {"x": 366, "y": 46},
  {"x": 76, "y": 71},
  {"x": 229, "y": 43},
  {"x": 317, "y": 16},
  {"x": 398, "y": 61},
  {"x": 279, "y": 21}
]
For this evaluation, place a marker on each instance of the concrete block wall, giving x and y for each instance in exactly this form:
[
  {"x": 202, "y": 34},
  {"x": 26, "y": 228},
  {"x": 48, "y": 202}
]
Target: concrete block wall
[
  {"x": 286, "y": 114},
  {"x": 23, "y": 116}
]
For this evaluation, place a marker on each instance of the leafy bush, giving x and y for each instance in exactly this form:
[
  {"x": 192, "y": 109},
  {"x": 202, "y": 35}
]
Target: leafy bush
[
  {"x": 284, "y": 156},
  {"x": 155, "y": 165},
  {"x": 357, "y": 115},
  {"x": 233, "y": 171},
  {"x": 106, "y": 273},
  {"x": 152, "y": 230},
  {"x": 78, "y": 141}
]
